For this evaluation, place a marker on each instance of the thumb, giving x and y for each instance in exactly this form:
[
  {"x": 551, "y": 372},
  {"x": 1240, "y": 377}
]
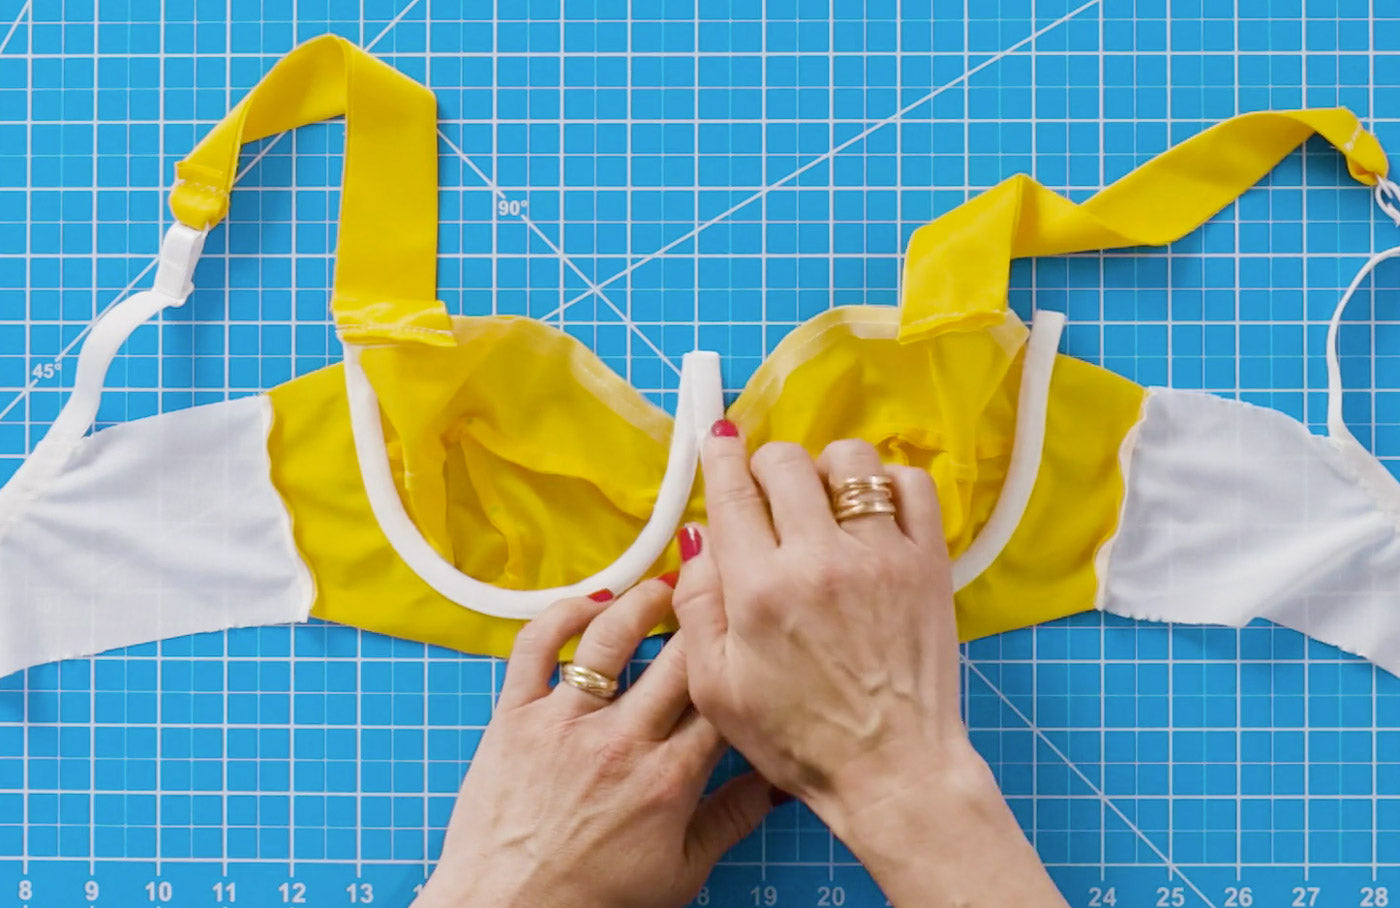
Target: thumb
[
  {"x": 699, "y": 599},
  {"x": 727, "y": 816}
]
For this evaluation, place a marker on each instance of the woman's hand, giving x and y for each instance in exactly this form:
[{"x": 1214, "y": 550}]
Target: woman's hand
[
  {"x": 572, "y": 800},
  {"x": 816, "y": 646},
  {"x": 827, "y": 654}
]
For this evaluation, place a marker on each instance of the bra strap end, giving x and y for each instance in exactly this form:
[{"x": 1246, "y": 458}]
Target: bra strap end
[{"x": 1388, "y": 198}]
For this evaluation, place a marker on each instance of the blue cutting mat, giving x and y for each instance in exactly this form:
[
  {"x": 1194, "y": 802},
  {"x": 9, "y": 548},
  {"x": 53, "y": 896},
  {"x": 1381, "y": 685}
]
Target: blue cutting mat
[{"x": 684, "y": 175}]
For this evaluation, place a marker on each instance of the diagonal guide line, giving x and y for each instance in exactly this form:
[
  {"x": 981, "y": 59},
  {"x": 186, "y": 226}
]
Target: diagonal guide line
[
  {"x": 826, "y": 156},
  {"x": 1083, "y": 777},
  {"x": 568, "y": 262},
  {"x": 14, "y": 26},
  {"x": 67, "y": 348},
  {"x": 408, "y": 7},
  {"x": 77, "y": 339}
]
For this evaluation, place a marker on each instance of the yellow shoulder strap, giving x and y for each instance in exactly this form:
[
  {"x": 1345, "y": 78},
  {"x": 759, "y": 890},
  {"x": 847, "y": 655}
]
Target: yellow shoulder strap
[
  {"x": 386, "y": 265},
  {"x": 956, "y": 268}
]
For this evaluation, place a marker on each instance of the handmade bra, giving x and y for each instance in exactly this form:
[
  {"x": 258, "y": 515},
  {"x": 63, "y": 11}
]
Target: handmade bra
[{"x": 454, "y": 475}]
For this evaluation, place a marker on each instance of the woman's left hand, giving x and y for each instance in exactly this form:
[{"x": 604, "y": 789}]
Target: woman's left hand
[{"x": 573, "y": 800}]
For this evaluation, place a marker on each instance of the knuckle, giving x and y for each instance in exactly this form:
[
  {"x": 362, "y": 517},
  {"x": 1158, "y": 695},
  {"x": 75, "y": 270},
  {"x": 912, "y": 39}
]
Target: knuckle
[
  {"x": 731, "y": 496},
  {"x": 671, "y": 780},
  {"x": 615, "y": 756},
  {"x": 610, "y": 645},
  {"x": 531, "y": 638},
  {"x": 915, "y": 477},
  {"x": 833, "y": 569},
  {"x": 695, "y": 599},
  {"x": 777, "y": 455},
  {"x": 846, "y": 450}
]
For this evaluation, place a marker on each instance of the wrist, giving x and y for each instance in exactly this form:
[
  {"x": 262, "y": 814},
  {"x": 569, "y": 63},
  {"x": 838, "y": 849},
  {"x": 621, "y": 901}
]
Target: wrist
[
  {"x": 462, "y": 887},
  {"x": 897, "y": 782},
  {"x": 934, "y": 821}
]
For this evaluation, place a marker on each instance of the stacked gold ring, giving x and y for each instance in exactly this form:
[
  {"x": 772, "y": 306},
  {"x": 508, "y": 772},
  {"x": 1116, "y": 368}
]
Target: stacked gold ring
[
  {"x": 588, "y": 680},
  {"x": 859, "y": 496}
]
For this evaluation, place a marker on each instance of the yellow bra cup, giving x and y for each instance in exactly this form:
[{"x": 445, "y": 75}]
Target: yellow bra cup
[{"x": 541, "y": 467}]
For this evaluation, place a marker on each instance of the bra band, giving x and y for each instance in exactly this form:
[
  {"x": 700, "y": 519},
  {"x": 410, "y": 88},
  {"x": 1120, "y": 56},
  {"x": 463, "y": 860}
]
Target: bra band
[
  {"x": 956, "y": 268},
  {"x": 384, "y": 289},
  {"x": 385, "y": 285}
]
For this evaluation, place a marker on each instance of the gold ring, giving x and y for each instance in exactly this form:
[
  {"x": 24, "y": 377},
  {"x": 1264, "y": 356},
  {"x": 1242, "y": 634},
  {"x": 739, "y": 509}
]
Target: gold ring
[
  {"x": 859, "y": 496},
  {"x": 588, "y": 680}
]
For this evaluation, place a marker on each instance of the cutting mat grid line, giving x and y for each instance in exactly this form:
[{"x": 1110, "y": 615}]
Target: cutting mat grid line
[{"x": 696, "y": 175}]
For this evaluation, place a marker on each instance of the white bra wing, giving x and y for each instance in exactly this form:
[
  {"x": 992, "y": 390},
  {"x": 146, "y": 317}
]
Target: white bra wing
[
  {"x": 1235, "y": 512},
  {"x": 156, "y": 528}
]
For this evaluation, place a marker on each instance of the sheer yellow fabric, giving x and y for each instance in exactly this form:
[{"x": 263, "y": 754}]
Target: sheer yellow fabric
[{"x": 527, "y": 463}]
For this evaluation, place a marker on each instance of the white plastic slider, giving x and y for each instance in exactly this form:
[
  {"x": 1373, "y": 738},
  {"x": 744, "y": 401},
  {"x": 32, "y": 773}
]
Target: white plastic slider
[{"x": 179, "y": 253}]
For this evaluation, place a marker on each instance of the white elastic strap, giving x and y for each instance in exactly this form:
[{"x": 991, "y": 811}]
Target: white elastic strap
[
  {"x": 700, "y": 404},
  {"x": 1026, "y": 450},
  {"x": 1336, "y": 425},
  {"x": 179, "y": 253}
]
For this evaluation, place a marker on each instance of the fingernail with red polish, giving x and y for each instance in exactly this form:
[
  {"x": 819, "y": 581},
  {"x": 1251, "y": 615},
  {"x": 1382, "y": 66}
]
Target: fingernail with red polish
[
  {"x": 724, "y": 429},
  {"x": 669, "y": 578},
  {"x": 778, "y": 797},
  {"x": 601, "y": 596},
  {"x": 689, "y": 540}
]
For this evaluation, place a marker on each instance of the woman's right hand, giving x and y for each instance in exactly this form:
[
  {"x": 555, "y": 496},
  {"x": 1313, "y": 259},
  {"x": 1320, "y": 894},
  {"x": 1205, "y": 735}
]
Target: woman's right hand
[{"x": 827, "y": 654}]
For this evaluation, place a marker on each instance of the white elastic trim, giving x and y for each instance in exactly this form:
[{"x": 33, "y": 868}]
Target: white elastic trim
[
  {"x": 700, "y": 404},
  {"x": 1126, "y": 451},
  {"x": 1336, "y": 425},
  {"x": 1026, "y": 450},
  {"x": 179, "y": 253},
  {"x": 1369, "y": 471}
]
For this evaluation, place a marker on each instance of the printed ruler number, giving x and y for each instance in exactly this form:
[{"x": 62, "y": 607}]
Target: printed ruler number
[
  {"x": 1238, "y": 897},
  {"x": 1305, "y": 896},
  {"x": 764, "y": 895},
  {"x": 360, "y": 893},
  {"x": 1102, "y": 898},
  {"x": 293, "y": 893},
  {"x": 513, "y": 207},
  {"x": 225, "y": 893},
  {"x": 831, "y": 895},
  {"x": 160, "y": 892},
  {"x": 91, "y": 890},
  {"x": 26, "y": 890},
  {"x": 1374, "y": 897},
  {"x": 703, "y": 896},
  {"x": 1170, "y": 897}
]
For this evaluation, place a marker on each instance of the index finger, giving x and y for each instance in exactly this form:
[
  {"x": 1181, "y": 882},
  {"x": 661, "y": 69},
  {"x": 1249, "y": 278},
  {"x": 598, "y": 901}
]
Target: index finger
[{"x": 740, "y": 527}]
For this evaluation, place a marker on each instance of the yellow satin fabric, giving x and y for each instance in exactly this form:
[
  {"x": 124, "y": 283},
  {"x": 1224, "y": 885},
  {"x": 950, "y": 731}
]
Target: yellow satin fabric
[
  {"x": 955, "y": 267},
  {"x": 527, "y": 463},
  {"x": 385, "y": 286}
]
